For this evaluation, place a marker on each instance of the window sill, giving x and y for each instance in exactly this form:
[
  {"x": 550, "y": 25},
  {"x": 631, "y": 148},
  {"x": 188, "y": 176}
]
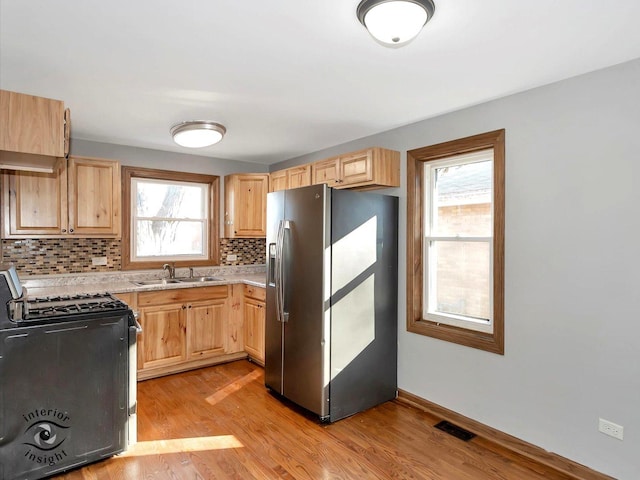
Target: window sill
[{"x": 489, "y": 342}]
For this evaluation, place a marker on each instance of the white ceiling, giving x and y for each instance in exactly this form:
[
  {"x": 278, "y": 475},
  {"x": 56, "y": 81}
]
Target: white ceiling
[{"x": 289, "y": 77}]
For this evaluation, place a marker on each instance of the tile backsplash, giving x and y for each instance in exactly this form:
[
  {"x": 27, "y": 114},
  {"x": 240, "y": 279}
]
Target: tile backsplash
[
  {"x": 73, "y": 255},
  {"x": 35, "y": 256},
  {"x": 249, "y": 251}
]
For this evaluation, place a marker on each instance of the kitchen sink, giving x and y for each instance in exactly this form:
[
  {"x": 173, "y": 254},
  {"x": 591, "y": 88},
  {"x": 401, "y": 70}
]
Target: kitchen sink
[
  {"x": 167, "y": 281},
  {"x": 158, "y": 281},
  {"x": 200, "y": 279}
]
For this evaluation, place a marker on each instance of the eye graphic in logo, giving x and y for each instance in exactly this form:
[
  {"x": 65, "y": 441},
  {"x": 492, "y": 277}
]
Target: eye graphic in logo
[{"x": 46, "y": 435}]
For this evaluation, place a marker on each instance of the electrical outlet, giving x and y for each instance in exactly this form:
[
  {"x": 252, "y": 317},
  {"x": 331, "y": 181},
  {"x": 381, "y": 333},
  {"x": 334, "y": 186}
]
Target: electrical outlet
[
  {"x": 98, "y": 260},
  {"x": 611, "y": 429},
  {"x": 232, "y": 257}
]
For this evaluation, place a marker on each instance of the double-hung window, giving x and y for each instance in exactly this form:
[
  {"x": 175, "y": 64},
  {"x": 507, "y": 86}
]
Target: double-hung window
[
  {"x": 456, "y": 240},
  {"x": 169, "y": 220},
  {"x": 169, "y": 217}
]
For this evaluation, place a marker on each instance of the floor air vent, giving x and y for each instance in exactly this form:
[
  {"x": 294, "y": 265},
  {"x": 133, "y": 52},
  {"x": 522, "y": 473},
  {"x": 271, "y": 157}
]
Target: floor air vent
[{"x": 455, "y": 430}]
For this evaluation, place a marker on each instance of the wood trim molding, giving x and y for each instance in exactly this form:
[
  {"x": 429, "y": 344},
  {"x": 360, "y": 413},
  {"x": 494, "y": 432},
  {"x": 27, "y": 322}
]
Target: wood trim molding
[
  {"x": 491, "y": 342},
  {"x": 214, "y": 211},
  {"x": 504, "y": 440}
]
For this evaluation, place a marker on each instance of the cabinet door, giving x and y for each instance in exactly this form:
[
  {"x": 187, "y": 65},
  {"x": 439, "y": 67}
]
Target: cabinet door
[
  {"x": 162, "y": 341},
  {"x": 299, "y": 176},
  {"x": 325, "y": 171},
  {"x": 35, "y": 204},
  {"x": 254, "y": 318},
  {"x": 251, "y": 206},
  {"x": 94, "y": 197},
  {"x": 278, "y": 181},
  {"x": 246, "y": 205},
  {"x": 235, "y": 319},
  {"x": 356, "y": 168},
  {"x": 206, "y": 329},
  {"x": 30, "y": 124}
]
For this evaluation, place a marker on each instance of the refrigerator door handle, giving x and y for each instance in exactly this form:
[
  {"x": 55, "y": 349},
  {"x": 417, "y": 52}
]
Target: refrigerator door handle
[
  {"x": 284, "y": 311},
  {"x": 280, "y": 277},
  {"x": 278, "y": 270}
]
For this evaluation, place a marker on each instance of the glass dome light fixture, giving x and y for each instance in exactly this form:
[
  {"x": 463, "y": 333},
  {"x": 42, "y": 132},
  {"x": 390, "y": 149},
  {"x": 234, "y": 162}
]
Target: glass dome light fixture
[
  {"x": 197, "y": 133},
  {"x": 395, "y": 23}
]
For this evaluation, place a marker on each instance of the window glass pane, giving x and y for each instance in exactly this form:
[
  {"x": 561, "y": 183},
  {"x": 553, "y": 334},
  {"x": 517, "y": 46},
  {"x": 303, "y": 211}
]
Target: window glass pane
[
  {"x": 170, "y": 200},
  {"x": 165, "y": 238},
  {"x": 462, "y": 200},
  {"x": 460, "y": 278}
]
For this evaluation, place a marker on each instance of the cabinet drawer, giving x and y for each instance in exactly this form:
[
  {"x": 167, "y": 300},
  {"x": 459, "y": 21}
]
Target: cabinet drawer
[
  {"x": 181, "y": 295},
  {"x": 130, "y": 298},
  {"x": 255, "y": 292}
]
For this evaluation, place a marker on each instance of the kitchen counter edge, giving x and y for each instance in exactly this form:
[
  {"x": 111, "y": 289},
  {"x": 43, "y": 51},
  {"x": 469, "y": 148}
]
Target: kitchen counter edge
[{"x": 128, "y": 286}]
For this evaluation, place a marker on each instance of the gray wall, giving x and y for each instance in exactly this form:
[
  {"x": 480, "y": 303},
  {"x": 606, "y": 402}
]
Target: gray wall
[
  {"x": 572, "y": 309},
  {"x": 143, "y": 157}
]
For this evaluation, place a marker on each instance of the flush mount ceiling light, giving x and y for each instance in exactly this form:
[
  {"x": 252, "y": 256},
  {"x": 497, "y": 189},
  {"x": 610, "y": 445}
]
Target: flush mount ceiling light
[
  {"x": 395, "y": 22},
  {"x": 197, "y": 133}
]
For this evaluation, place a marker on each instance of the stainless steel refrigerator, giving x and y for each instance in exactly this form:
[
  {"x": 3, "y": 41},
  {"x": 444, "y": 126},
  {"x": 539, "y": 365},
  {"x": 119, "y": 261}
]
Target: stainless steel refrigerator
[{"x": 332, "y": 288}]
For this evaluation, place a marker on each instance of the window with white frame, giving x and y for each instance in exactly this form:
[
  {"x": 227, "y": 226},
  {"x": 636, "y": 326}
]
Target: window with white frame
[
  {"x": 458, "y": 240},
  {"x": 169, "y": 217},
  {"x": 455, "y": 241}
]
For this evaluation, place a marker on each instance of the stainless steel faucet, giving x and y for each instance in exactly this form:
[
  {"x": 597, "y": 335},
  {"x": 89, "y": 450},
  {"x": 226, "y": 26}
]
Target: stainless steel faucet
[{"x": 171, "y": 268}]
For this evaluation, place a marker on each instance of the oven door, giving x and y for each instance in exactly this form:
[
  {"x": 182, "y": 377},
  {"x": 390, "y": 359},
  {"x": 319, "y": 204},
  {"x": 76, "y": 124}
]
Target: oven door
[{"x": 63, "y": 394}]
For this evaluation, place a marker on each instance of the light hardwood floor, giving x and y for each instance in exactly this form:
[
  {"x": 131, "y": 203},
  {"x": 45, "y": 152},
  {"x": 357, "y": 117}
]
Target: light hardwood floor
[{"x": 221, "y": 423}]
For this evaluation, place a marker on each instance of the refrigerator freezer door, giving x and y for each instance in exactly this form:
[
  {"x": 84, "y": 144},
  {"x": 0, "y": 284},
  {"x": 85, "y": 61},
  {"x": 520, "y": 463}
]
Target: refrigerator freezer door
[{"x": 306, "y": 341}]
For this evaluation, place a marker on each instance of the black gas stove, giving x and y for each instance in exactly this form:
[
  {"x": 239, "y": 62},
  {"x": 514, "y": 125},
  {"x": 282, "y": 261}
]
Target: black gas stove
[{"x": 67, "y": 380}]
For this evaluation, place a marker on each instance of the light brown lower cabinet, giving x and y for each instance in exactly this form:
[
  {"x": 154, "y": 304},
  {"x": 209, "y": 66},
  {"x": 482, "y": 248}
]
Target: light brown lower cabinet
[
  {"x": 254, "y": 320},
  {"x": 206, "y": 327},
  {"x": 163, "y": 340},
  {"x": 184, "y": 329}
]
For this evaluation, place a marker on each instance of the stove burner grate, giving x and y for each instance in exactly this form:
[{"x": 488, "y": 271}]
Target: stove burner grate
[{"x": 70, "y": 305}]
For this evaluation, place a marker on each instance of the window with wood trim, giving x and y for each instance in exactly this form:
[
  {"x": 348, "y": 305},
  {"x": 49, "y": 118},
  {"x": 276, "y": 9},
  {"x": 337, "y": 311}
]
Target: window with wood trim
[
  {"x": 169, "y": 217},
  {"x": 455, "y": 241}
]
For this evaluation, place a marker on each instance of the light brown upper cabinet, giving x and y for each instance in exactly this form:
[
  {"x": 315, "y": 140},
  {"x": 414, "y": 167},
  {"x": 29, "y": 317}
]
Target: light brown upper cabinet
[
  {"x": 293, "y": 177},
  {"x": 278, "y": 181},
  {"x": 94, "y": 197},
  {"x": 81, "y": 198},
  {"x": 245, "y": 205},
  {"x": 34, "y": 129},
  {"x": 363, "y": 170}
]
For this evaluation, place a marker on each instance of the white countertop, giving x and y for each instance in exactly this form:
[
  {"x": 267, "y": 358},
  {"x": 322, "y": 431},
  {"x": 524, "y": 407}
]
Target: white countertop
[{"x": 122, "y": 282}]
